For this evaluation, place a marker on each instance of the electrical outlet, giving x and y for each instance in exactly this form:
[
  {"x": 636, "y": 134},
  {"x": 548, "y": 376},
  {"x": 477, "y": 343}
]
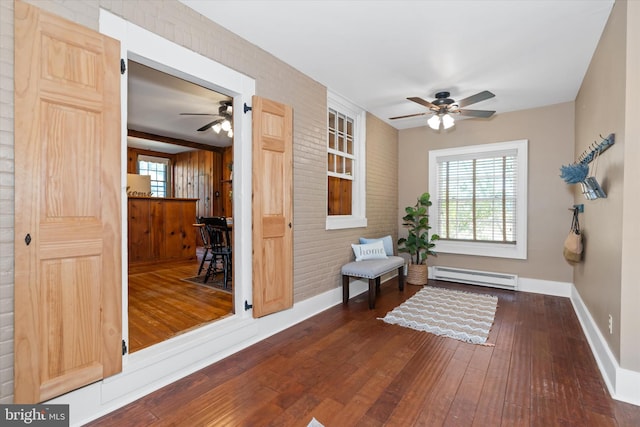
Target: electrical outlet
[{"x": 610, "y": 324}]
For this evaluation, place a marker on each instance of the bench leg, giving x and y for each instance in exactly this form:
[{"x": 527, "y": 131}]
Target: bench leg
[
  {"x": 374, "y": 287},
  {"x": 401, "y": 278},
  {"x": 372, "y": 293},
  {"x": 345, "y": 289}
]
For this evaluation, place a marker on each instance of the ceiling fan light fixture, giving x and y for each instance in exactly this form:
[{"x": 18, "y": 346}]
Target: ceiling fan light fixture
[
  {"x": 226, "y": 125},
  {"x": 442, "y": 107},
  {"x": 230, "y": 133},
  {"x": 434, "y": 122},
  {"x": 447, "y": 121},
  {"x": 225, "y": 109},
  {"x": 216, "y": 128}
]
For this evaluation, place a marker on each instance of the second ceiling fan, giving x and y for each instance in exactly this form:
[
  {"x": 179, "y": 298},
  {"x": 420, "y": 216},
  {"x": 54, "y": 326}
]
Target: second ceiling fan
[
  {"x": 442, "y": 107},
  {"x": 224, "y": 120}
]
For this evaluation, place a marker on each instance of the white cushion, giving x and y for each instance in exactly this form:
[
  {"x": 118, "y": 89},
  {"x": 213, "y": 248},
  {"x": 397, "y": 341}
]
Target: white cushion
[
  {"x": 387, "y": 242},
  {"x": 369, "y": 251}
]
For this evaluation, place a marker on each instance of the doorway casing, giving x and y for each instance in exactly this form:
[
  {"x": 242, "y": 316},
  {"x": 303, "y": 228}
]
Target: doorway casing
[{"x": 149, "y": 49}]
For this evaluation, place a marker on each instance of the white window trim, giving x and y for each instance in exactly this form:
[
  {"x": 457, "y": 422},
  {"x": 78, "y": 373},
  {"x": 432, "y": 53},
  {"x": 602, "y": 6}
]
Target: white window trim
[
  {"x": 358, "y": 201},
  {"x": 157, "y": 159},
  {"x": 499, "y": 250}
]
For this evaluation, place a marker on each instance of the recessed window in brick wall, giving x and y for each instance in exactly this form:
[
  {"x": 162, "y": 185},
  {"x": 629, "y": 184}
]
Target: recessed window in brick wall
[{"x": 345, "y": 164}]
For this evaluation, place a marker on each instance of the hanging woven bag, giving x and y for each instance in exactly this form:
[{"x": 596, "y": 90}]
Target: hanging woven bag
[{"x": 573, "y": 243}]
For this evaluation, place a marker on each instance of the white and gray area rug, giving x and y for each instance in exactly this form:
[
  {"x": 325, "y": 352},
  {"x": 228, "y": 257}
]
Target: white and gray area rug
[{"x": 460, "y": 315}]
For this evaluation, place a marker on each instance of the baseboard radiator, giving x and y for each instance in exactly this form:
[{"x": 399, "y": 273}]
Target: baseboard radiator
[{"x": 475, "y": 277}]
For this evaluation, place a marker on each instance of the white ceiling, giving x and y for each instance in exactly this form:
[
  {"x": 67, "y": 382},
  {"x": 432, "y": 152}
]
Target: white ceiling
[
  {"x": 155, "y": 101},
  {"x": 529, "y": 53}
]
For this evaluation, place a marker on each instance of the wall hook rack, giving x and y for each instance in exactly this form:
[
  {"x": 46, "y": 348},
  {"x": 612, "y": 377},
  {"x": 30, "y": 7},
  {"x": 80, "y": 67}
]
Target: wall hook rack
[
  {"x": 577, "y": 172},
  {"x": 596, "y": 149}
]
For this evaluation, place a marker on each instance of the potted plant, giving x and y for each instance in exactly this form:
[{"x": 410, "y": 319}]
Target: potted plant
[{"x": 418, "y": 243}]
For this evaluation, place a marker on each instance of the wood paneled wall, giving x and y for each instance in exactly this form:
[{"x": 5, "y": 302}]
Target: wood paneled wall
[
  {"x": 226, "y": 184},
  {"x": 197, "y": 175}
]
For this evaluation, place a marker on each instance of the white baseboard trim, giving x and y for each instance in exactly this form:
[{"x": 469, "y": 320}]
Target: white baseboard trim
[
  {"x": 623, "y": 384},
  {"x": 546, "y": 287},
  {"x": 627, "y": 386},
  {"x": 537, "y": 286}
]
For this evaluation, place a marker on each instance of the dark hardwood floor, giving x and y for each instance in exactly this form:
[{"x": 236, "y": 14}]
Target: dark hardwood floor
[
  {"x": 162, "y": 305},
  {"x": 345, "y": 367}
]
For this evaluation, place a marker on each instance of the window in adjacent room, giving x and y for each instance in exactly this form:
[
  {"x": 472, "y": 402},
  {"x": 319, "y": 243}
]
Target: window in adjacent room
[
  {"x": 479, "y": 196},
  {"x": 345, "y": 164},
  {"x": 158, "y": 169}
]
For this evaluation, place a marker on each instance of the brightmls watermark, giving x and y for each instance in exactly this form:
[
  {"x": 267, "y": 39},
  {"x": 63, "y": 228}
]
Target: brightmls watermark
[{"x": 34, "y": 415}]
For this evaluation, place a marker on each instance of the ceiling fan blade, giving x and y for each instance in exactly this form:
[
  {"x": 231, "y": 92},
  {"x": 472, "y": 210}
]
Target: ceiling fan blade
[
  {"x": 475, "y": 98},
  {"x": 476, "y": 113},
  {"x": 408, "y": 115},
  {"x": 208, "y": 126},
  {"x": 423, "y": 102}
]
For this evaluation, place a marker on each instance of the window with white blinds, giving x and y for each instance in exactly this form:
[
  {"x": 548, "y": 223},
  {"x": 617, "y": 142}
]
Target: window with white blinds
[
  {"x": 477, "y": 198},
  {"x": 479, "y": 195}
]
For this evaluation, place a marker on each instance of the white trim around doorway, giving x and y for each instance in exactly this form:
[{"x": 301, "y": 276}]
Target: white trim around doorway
[{"x": 151, "y": 50}]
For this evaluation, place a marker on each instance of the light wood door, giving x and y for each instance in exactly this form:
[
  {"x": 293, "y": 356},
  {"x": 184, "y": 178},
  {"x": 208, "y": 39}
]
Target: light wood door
[
  {"x": 67, "y": 200},
  {"x": 272, "y": 207}
]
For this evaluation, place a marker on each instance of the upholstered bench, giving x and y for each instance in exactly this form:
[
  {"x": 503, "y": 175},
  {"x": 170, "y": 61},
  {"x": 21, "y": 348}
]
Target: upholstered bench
[{"x": 372, "y": 270}]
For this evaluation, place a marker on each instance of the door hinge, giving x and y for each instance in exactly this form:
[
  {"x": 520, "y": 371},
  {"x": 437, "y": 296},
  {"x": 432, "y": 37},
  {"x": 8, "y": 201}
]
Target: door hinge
[
  {"x": 123, "y": 66},
  {"x": 246, "y": 108},
  {"x": 247, "y": 306},
  {"x": 124, "y": 347}
]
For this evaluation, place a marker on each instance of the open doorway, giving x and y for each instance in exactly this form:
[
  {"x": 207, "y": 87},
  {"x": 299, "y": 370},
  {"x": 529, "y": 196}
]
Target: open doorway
[{"x": 179, "y": 173}]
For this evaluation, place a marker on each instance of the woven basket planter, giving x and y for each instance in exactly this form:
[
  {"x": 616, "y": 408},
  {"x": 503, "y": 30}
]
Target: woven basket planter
[{"x": 417, "y": 274}]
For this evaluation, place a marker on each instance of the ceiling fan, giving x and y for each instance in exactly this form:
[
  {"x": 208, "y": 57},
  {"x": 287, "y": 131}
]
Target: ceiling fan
[
  {"x": 223, "y": 121},
  {"x": 442, "y": 107}
]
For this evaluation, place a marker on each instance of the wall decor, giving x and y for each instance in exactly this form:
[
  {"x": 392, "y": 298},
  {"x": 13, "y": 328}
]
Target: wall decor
[{"x": 578, "y": 172}]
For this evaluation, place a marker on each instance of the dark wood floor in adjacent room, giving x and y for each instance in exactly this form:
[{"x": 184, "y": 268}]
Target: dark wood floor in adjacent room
[
  {"x": 162, "y": 305},
  {"x": 347, "y": 368}
]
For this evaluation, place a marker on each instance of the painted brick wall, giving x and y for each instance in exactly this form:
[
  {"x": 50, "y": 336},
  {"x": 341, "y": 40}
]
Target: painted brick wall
[
  {"x": 6, "y": 201},
  {"x": 382, "y": 179},
  {"x": 318, "y": 253}
]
